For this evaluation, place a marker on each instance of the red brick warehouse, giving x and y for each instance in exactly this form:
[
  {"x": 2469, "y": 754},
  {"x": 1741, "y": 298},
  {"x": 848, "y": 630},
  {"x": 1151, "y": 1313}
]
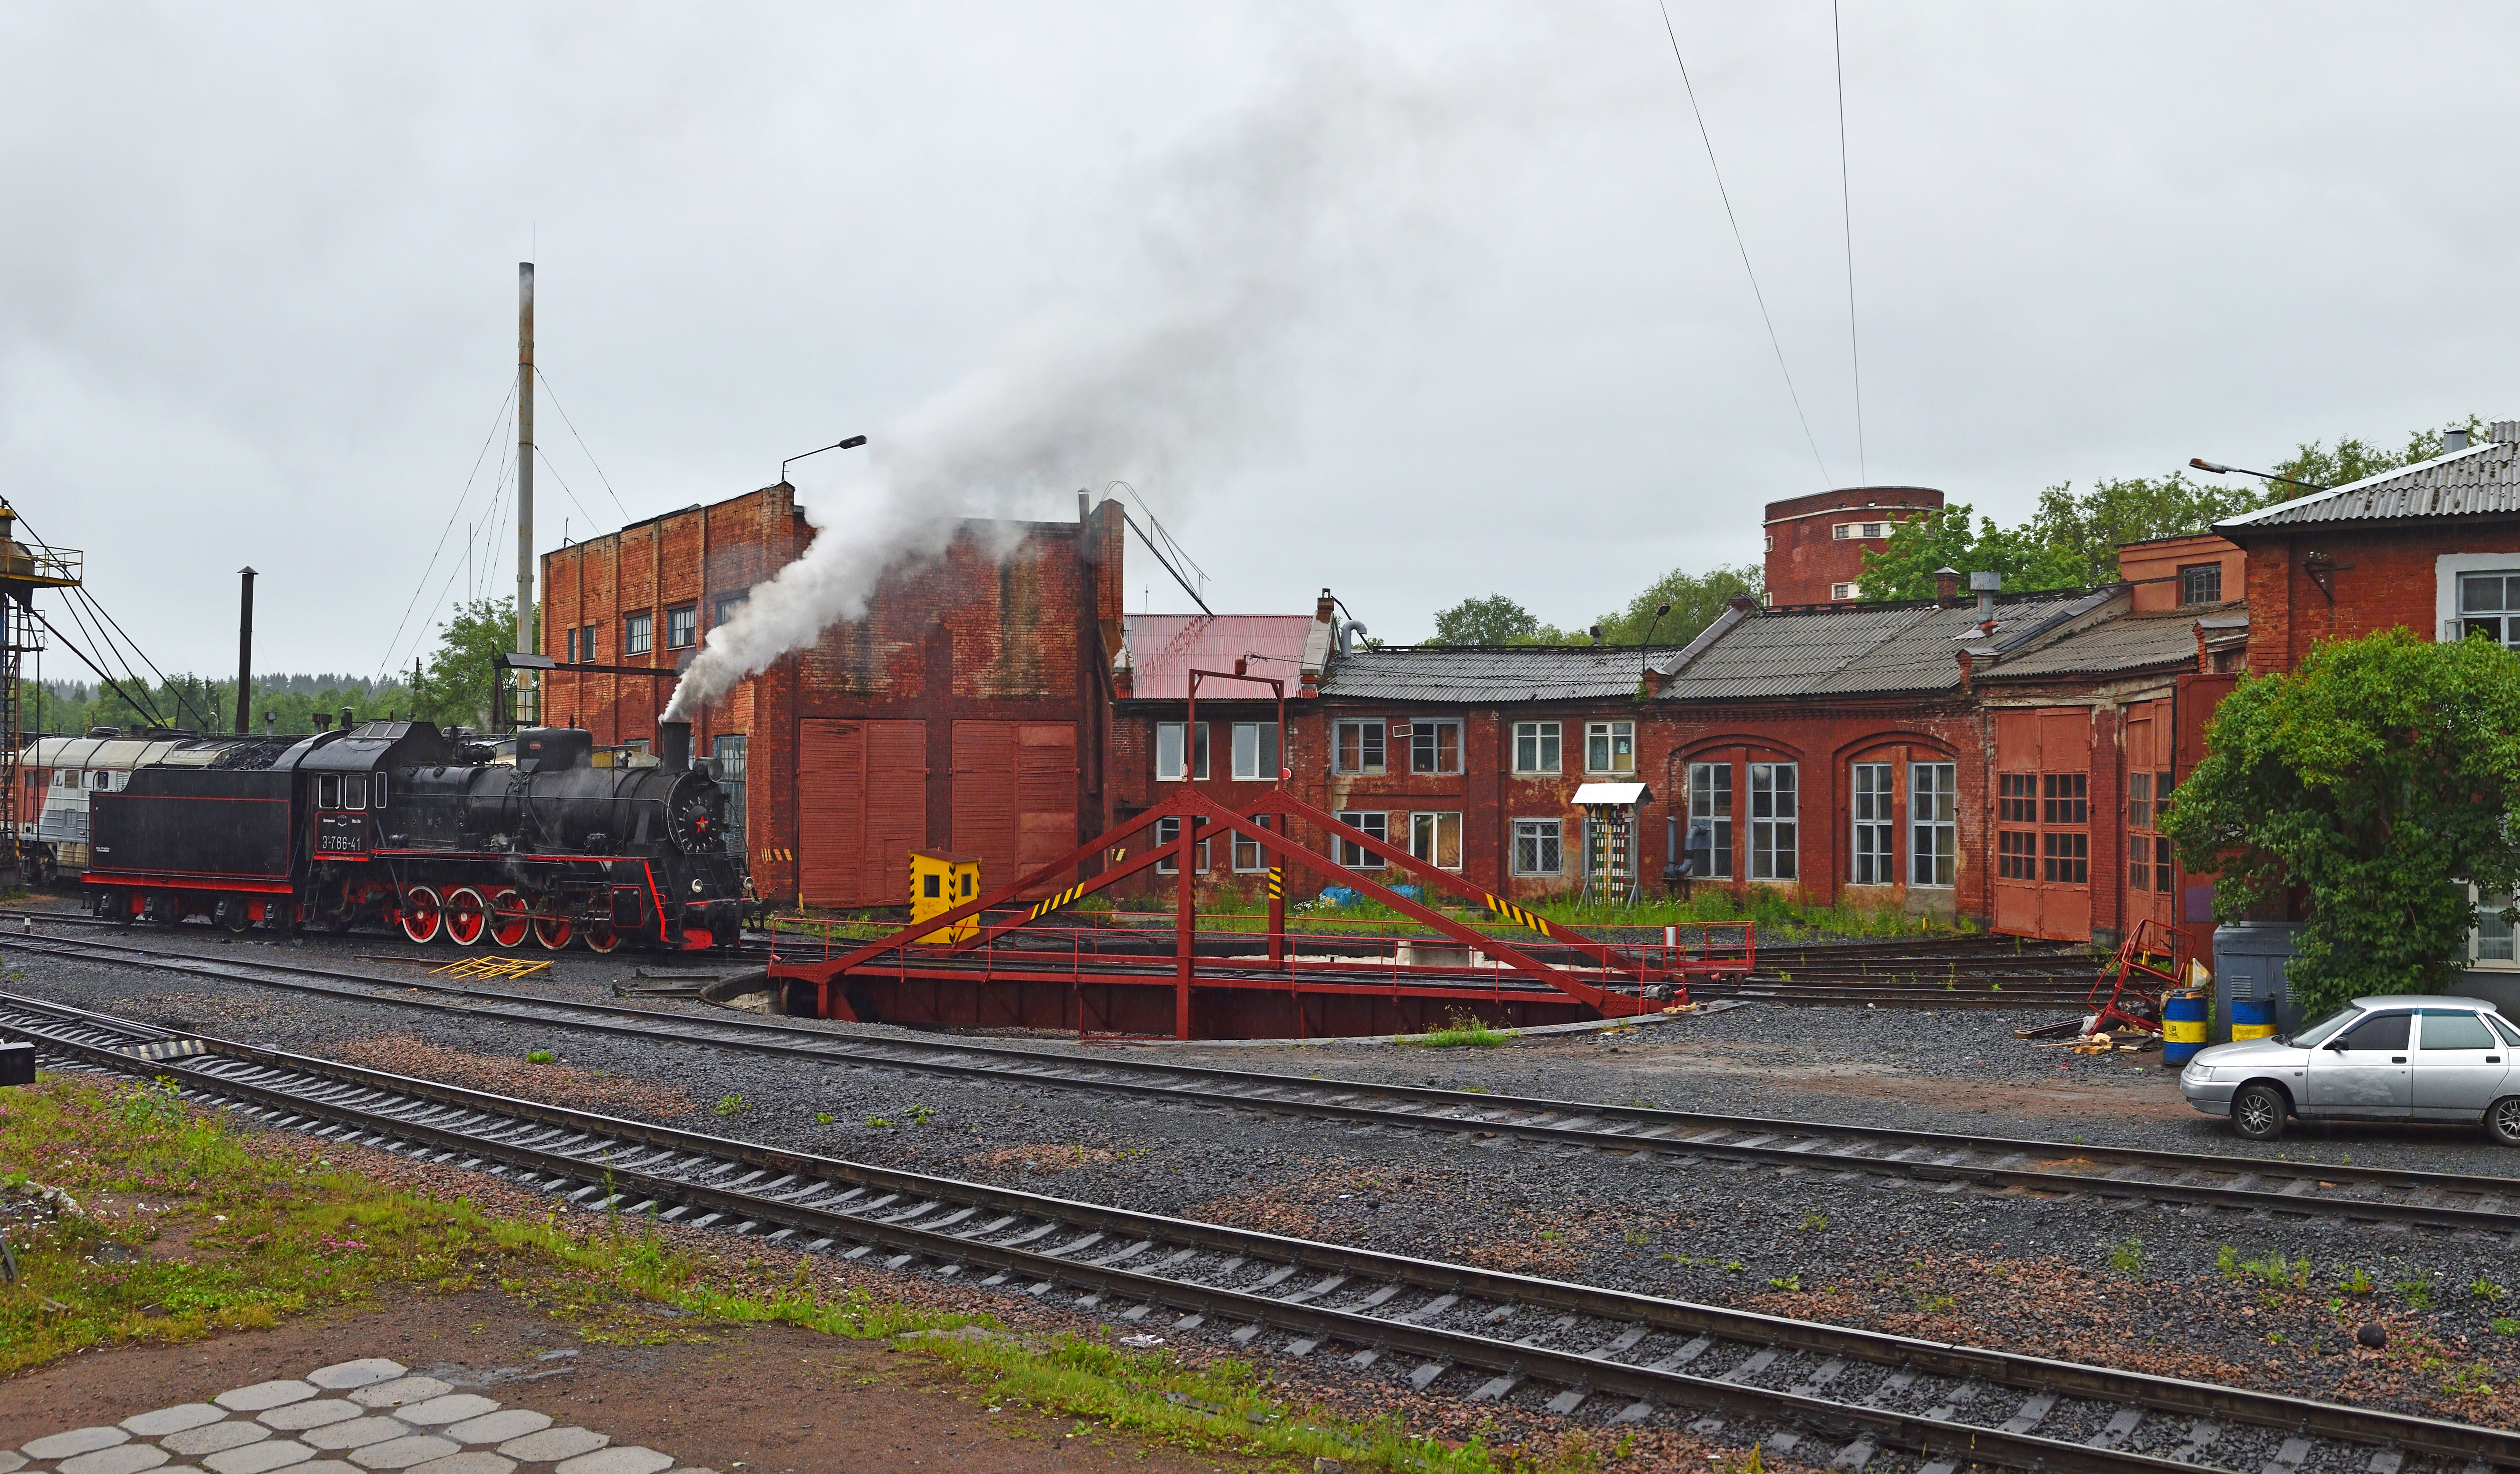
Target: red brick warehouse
[{"x": 969, "y": 709}]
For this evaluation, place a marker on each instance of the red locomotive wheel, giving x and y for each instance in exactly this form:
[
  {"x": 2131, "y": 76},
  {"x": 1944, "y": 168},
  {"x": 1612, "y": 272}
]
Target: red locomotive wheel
[
  {"x": 553, "y": 928},
  {"x": 600, "y": 936},
  {"x": 511, "y": 918},
  {"x": 421, "y": 914},
  {"x": 467, "y": 917}
]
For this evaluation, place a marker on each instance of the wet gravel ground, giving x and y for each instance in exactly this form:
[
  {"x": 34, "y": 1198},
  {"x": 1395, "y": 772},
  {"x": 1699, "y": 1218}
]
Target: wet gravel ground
[{"x": 2154, "y": 1287}]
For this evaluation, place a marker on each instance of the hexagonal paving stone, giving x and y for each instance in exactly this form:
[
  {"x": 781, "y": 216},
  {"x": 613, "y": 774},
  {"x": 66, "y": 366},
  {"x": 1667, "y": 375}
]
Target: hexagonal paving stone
[
  {"x": 403, "y": 1452},
  {"x": 499, "y": 1427},
  {"x": 314, "y": 1415},
  {"x": 254, "y": 1459},
  {"x": 553, "y": 1444},
  {"x": 399, "y": 1391},
  {"x": 622, "y": 1458},
  {"x": 355, "y": 1435},
  {"x": 211, "y": 1437},
  {"x": 451, "y": 1409},
  {"x": 263, "y": 1395},
  {"x": 173, "y": 1419},
  {"x": 76, "y": 1440},
  {"x": 11, "y": 1464},
  {"x": 470, "y": 1461},
  {"x": 320, "y": 1466},
  {"x": 364, "y": 1372},
  {"x": 128, "y": 1459}
]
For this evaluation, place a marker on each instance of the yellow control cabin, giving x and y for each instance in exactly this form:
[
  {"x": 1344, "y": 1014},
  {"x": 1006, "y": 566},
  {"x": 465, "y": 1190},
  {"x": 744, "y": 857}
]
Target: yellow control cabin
[{"x": 939, "y": 883}]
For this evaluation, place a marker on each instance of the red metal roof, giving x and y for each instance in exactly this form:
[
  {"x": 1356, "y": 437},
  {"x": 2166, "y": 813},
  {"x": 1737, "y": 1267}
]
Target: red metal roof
[{"x": 1162, "y": 648}]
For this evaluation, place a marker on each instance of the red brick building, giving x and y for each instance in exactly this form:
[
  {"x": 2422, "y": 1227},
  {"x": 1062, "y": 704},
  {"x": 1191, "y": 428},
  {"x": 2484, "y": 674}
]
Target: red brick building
[
  {"x": 1816, "y": 544},
  {"x": 969, "y": 709},
  {"x": 1908, "y": 757}
]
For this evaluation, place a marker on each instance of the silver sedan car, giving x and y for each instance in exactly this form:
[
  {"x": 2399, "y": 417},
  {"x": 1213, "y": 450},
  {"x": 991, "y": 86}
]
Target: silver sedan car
[{"x": 2402, "y": 1058}]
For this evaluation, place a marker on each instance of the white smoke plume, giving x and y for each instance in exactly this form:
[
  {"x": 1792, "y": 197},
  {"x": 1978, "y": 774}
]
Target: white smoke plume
[{"x": 1316, "y": 195}]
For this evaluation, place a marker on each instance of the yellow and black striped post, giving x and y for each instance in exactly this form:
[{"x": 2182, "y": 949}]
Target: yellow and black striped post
[{"x": 1277, "y": 914}]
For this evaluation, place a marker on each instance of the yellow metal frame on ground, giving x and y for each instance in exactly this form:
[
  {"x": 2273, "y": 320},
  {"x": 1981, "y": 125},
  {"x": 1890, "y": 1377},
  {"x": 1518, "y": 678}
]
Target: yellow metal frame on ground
[{"x": 505, "y": 969}]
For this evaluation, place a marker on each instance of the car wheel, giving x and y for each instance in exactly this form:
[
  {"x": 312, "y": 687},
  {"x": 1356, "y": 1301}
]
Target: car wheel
[
  {"x": 2258, "y": 1112},
  {"x": 2502, "y": 1120}
]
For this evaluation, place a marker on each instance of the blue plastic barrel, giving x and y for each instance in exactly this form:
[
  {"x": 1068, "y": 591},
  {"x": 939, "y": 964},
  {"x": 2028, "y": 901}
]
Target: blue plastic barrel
[
  {"x": 2252, "y": 1018},
  {"x": 2183, "y": 1025}
]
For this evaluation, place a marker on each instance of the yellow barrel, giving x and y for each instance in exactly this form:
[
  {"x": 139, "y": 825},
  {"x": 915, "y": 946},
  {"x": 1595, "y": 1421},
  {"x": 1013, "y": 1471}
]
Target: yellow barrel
[{"x": 2183, "y": 1025}]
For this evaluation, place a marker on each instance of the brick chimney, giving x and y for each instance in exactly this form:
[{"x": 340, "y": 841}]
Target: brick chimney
[
  {"x": 1325, "y": 608},
  {"x": 1947, "y": 587},
  {"x": 1743, "y": 602}
]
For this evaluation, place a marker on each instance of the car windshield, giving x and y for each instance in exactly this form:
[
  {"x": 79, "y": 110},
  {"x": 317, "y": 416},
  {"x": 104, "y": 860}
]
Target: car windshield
[{"x": 2319, "y": 1032}]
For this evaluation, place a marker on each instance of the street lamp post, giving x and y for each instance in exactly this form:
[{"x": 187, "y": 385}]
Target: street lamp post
[
  {"x": 2201, "y": 464},
  {"x": 851, "y": 443}
]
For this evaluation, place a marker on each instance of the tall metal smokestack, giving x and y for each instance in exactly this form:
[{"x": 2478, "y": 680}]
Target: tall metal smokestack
[
  {"x": 244, "y": 652},
  {"x": 674, "y": 747},
  {"x": 524, "y": 479}
]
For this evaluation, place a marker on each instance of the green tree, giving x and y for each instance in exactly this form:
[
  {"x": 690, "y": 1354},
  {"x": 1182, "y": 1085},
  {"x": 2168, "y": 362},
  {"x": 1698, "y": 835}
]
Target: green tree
[
  {"x": 1956, "y": 537},
  {"x": 455, "y": 690},
  {"x": 2072, "y": 541},
  {"x": 2378, "y": 777},
  {"x": 1696, "y": 601},
  {"x": 1493, "y": 620}
]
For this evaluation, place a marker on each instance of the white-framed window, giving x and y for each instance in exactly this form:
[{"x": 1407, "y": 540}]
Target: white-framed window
[
  {"x": 638, "y": 634},
  {"x": 1357, "y": 857},
  {"x": 1609, "y": 746},
  {"x": 327, "y": 792},
  {"x": 1356, "y": 747},
  {"x": 1535, "y": 746},
  {"x": 1168, "y": 832},
  {"x": 1436, "y": 838},
  {"x": 2491, "y": 944},
  {"x": 1435, "y": 746},
  {"x": 1933, "y": 822},
  {"x": 1250, "y": 856},
  {"x": 2200, "y": 583},
  {"x": 378, "y": 798},
  {"x": 65, "y": 777},
  {"x": 354, "y": 791},
  {"x": 2488, "y": 604},
  {"x": 1168, "y": 752},
  {"x": 1710, "y": 820},
  {"x": 727, "y": 606},
  {"x": 1841, "y": 591},
  {"x": 1874, "y": 826},
  {"x": 1538, "y": 846},
  {"x": 1255, "y": 751},
  {"x": 683, "y": 627},
  {"x": 1846, "y": 532},
  {"x": 1774, "y": 816}
]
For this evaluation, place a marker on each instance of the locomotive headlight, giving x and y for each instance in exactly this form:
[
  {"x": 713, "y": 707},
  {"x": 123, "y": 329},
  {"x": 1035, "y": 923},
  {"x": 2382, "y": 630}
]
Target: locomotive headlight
[{"x": 695, "y": 885}]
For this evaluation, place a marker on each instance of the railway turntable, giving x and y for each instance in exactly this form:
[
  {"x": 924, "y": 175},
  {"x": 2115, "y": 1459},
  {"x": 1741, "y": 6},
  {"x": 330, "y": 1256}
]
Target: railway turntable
[{"x": 1029, "y": 966}]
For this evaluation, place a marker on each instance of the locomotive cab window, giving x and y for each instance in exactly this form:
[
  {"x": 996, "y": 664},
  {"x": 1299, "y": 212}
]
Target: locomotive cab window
[
  {"x": 327, "y": 792},
  {"x": 376, "y": 792},
  {"x": 354, "y": 791}
]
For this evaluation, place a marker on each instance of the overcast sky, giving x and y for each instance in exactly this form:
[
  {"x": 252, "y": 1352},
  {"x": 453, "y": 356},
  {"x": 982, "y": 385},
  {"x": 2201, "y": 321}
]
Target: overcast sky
[{"x": 257, "y": 272}]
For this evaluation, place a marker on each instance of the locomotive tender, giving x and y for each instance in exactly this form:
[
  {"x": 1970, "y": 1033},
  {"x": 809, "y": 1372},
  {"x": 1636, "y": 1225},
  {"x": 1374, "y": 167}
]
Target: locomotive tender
[{"x": 400, "y": 824}]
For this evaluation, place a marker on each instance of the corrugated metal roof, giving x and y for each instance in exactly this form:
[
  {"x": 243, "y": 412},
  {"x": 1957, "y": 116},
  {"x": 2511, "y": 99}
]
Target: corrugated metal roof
[
  {"x": 2138, "y": 642},
  {"x": 1859, "y": 649},
  {"x": 1163, "y": 648},
  {"x": 1489, "y": 673},
  {"x": 2483, "y": 479}
]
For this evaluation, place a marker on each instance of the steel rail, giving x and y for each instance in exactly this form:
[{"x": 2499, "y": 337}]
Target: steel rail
[
  {"x": 467, "y": 1124},
  {"x": 1999, "y": 1163}
]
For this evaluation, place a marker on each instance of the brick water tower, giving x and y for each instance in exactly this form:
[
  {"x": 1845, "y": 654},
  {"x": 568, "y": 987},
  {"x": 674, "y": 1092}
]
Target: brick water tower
[{"x": 1816, "y": 544}]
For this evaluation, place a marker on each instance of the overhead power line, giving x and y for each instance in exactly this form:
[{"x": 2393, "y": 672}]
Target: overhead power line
[
  {"x": 581, "y": 445},
  {"x": 497, "y": 419},
  {"x": 1846, "y": 207},
  {"x": 1772, "y": 340}
]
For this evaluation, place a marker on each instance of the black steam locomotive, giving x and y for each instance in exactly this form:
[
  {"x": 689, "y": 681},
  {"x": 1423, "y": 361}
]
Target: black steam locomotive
[{"x": 400, "y": 824}]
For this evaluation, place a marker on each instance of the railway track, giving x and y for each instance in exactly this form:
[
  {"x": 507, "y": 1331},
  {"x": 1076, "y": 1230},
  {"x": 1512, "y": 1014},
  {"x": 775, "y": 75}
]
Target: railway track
[
  {"x": 1818, "y": 1393},
  {"x": 1849, "y": 1153}
]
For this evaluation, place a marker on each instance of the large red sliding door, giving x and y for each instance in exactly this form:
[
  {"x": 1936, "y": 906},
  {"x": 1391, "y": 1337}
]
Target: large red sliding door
[
  {"x": 1015, "y": 795},
  {"x": 862, "y": 808},
  {"x": 2042, "y": 823}
]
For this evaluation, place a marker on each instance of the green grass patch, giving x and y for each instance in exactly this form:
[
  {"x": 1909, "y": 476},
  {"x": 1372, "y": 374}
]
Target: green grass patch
[
  {"x": 1467, "y": 1031},
  {"x": 250, "y": 1226}
]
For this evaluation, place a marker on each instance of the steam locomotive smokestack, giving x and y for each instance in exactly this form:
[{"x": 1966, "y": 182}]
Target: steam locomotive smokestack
[
  {"x": 674, "y": 747},
  {"x": 244, "y": 652}
]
